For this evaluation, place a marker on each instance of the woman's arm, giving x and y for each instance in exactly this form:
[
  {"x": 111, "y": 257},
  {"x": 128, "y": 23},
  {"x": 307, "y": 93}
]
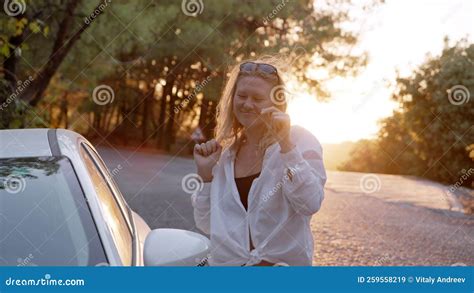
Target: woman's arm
[
  {"x": 206, "y": 156},
  {"x": 304, "y": 174},
  {"x": 201, "y": 202}
]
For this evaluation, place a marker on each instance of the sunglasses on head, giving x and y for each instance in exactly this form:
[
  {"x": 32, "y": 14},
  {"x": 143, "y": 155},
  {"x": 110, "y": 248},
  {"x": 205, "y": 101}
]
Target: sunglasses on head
[{"x": 259, "y": 67}]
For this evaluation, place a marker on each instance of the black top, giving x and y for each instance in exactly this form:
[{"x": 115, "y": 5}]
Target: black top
[{"x": 243, "y": 186}]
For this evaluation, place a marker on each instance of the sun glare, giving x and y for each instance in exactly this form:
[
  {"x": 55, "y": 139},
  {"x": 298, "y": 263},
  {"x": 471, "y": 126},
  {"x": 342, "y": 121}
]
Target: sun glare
[{"x": 357, "y": 104}]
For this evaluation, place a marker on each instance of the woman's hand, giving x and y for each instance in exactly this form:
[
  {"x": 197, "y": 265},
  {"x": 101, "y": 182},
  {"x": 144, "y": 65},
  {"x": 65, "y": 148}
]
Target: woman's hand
[
  {"x": 206, "y": 156},
  {"x": 279, "y": 127}
]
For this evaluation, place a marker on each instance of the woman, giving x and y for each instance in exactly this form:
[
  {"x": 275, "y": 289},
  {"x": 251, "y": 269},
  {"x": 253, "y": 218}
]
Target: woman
[{"x": 263, "y": 179}]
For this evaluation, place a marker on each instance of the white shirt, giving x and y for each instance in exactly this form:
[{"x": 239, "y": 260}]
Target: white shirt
[{"x": 281, "y": 201}]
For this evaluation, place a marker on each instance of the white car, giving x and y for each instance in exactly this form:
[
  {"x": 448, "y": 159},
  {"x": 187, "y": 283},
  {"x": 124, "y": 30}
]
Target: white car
[{"x": 60, "y": 206}]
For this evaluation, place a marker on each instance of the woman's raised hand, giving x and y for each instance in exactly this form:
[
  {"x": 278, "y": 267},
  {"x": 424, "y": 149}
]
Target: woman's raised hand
[
  {"x": 279, "y": 123},
  {"x": 206, "y": 156}
]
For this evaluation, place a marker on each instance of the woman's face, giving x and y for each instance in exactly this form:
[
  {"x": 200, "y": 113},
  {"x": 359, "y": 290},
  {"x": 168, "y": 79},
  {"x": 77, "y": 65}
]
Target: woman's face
[{"x": 251, "y": 94}]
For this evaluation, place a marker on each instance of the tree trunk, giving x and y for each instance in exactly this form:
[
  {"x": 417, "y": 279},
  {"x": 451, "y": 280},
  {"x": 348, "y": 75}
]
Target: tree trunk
[
  {"x": 9, "y": 64},
  {"x": 146, "y": 112},
  {"x": 207, "y": 120},
  {"x": 169, "y": 134},
  {"x": 110, "y": 117},
  {"x": 34, "y": 93},
  {"x": 64, "y": 106},
  {"x": 9, "y": 70},
  {"x": 167, "y": 91},
  {"x": 203, "y": 117}
]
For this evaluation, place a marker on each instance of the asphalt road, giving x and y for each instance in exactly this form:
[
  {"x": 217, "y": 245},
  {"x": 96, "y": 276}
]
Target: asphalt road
[{"x": 365, "y": 219}]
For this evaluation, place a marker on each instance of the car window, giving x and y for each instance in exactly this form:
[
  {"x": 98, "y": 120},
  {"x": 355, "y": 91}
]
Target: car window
[
  {"x": 44, "y": 216},
  {"x": 112, "y": 213}
]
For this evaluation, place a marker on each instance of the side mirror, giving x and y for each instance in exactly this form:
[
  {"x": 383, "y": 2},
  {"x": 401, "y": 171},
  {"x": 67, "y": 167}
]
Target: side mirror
[{"x": 174, "y": 247}]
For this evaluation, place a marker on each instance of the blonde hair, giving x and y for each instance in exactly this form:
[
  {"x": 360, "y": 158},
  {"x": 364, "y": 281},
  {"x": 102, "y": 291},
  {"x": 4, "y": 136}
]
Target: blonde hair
[{"x": 228, "y": 129}]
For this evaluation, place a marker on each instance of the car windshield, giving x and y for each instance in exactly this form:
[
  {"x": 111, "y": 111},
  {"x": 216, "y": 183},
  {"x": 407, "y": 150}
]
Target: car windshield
[{"x": 44, "y": 217}]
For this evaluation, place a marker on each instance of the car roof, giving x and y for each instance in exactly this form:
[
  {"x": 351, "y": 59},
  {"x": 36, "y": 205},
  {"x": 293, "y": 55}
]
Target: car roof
[{"x": 17, "y": 143}]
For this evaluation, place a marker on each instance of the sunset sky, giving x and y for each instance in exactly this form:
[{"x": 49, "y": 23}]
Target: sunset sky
[{"x": 397, "y": 35}]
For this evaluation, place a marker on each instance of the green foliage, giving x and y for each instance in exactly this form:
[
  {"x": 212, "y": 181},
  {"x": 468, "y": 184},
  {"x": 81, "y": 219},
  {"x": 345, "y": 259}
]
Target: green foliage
[
  {"x": 136, "y": 46},
  {"x": 17, "y": 26},
  {"x": 16, "y": 114},
  {"x": 432, "y": 133},
  {"x": 223, "y": 32}
]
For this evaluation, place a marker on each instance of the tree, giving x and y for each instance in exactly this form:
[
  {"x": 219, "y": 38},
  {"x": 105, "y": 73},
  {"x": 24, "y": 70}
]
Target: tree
[
  {"x": 191, "y": 50},
  {"x": 35, "y": 17},
  {"x": 432, "y": 133},
  {"x": 166, "y": 66}
]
